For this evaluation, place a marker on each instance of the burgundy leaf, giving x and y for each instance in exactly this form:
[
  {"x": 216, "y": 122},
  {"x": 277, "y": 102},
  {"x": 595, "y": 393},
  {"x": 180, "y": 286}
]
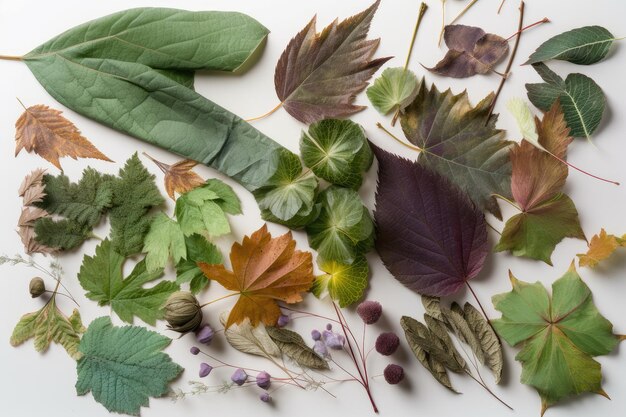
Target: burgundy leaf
[{"x": 430, "y": 236}]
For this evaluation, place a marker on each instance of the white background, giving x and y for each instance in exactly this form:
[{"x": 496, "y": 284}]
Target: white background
[{"x": 33, "y": 384}]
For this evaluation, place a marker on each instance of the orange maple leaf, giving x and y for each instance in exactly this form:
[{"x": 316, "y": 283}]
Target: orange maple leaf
[
  {"x": 179, "y": 178},
  {"x": 600, "y": 248},
  {"x": 44, "y": 131},
  {"x": 265, "y": 270}
]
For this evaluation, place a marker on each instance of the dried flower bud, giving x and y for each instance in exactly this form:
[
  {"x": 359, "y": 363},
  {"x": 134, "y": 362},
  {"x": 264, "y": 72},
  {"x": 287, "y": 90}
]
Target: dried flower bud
[
  {"x": 283, "y": 320},
  {"x": 387, "y": 343},
  {"x": 205, "y": 369},
  {"x": 394, "y": 374},
  {"x": 369, "y": 311},
  {"x": 36, "y": 287},
  {"x": 320, "y": 348},
  {"x": 316, "y": 335},
  {"x": 265, "y": 397},
  {"x": 205, "y": 334},
  {"x": 182, "y": 312},
  {"x": 333, "y": 340},
  {"x": 194, "y": 350},
  {"x": 264, "y": 380},
  {"x": 239, "y": 377}
]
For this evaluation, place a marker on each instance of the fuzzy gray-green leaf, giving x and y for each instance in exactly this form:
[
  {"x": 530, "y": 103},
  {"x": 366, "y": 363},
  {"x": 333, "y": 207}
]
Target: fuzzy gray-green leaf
[
  {"x": 463, "y": 330},
  {"x": 292, "y": 345},
  {"x": 489, "y": 342}
]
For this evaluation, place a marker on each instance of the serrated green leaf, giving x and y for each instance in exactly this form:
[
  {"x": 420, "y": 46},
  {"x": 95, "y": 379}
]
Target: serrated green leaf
[
  {"x": 395, "y": 89},
  {"x": 50, "y": 325},
  {"x": 584, "y": 46},
  {"x": 228, "y": 200},
  {"x": 198, "y": 250},
  {"x": 582, "y": 100},
  {"x": 165, "y": 240},
  {"x": 344, "y": 229},
  {"x": 101, "y": 276},
  {"x": 337, "y": 151},
  {"x": 345, "y": 283},
  {"x": 123, "y": 366},
  {"x": 202, "y": 210},
  {"x": 61, "y": 234},
  {"x": 292, "y": 345}
]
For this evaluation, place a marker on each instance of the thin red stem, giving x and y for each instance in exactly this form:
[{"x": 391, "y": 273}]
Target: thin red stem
[
  {"x": 581, "y": 170},
  {"x": 544, "y": 20},
  {"x": 481, "y": 307}
]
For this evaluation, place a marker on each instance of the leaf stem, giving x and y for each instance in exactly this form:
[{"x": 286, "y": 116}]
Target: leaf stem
[
  {"x": 458, "y": 16},
  {"x": 481, "y": 307},
  {"x": 501, "y": 4},
  {"x": 525, "y": 28},
  {"x": 401, "y": 142},
  {"x": 512, "y": 203},
  {"x": 581, "y": 170},
  {"x": 266, "y": 114},
  {"x": 443, "y": 21},
  {"x": 219, "y": 299},
  {"x": 494, "y": 229},
  {"x": 488, "y": 390},
  {"x": 162, "y": 166},
  {"x": 510, "y": 63},
  {"x": 10, "y": 58}
]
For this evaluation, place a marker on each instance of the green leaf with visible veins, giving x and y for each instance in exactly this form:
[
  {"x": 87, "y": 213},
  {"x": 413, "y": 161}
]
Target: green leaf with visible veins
[
  {"x": 102, "y": 277},
  {"x": 342, "y": 282},
  {"x": 558, "y": 335},
  {"x": 60, "y": 234},
  {"x": 395, "y": 89},
  {"x": 124, "y": 366},
  {"x": 337, "y": 151},
  {"x": 164, "y": 240},
  {"x": 198, "y": 250},
  {"x": 50, "y": 325},
  {"x": 134, "y": 195}
]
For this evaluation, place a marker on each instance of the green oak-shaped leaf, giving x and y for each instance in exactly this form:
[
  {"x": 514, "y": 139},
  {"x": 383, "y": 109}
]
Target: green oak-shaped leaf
[
  {"x": 395, "y": 89},
  {"x": 101, "y": 276},
  {"x": 342, "y": 282},
  {"x": 123, "y": 366},
  {"x": 586, "y": 45},
  {"x": 344, "y": 229},
  {"x": 536, "y": 232},
  {"x": 558, "y": 335},
  {"x": 164, "y": 240},
  {"x": 337, "y": 151},
  {"x": 582, "y": 100},
  {"x": 198, "y": 250},
  {"x": 290, "y": 194}
]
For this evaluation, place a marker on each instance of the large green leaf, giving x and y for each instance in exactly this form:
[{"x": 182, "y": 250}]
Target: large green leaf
[
  {"x": 581, "y": 98},
  {"x": 102, "y": 277},
  {"x": 586, "y": 45},
  {"x": 559, "y": 336},
  {"x": 123, "y": 366},
  {"x": 345, "y": 283}
]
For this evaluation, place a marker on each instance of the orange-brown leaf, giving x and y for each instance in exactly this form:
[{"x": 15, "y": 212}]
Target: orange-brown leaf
[
  {"x": 265, "y": 270},
  {"x": 44, "y": 131},
  {"x": 179, "y": 177},
  {"x": 600, "y": 248}
]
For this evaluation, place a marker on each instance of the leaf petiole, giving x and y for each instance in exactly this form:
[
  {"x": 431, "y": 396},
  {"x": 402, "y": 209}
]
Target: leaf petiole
[
  {"x": 263, "y": 116},
  {"x": 401, "y": 142},
  {"x": 10, "y": 58}
]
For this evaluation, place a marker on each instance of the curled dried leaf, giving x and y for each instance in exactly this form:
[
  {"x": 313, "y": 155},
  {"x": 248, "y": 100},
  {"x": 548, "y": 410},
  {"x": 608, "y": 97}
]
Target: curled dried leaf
[{"x": 489, "y": 341}]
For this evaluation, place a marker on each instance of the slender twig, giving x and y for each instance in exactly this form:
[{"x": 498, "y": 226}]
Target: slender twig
[
  {"x": 509, "y": 64},
  {"x": 525, "y": 28},
  {"x": 579, "y": 169},
  {"x": 443, "y": 21},
  {"x": 401, "y": 142},
  {"x": 266, "y": 114},
  {"x": 488, "y": 390},
  {"x": 501, "y": 4},
  {"x": 458, "y": 16}
]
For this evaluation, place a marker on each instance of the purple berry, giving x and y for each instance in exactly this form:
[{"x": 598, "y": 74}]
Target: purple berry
[
  {"x": 205, "y": 369},
  {"x": 283, "y": 320},
  {"x": 265, "y": 397},
  {"x": 320, "y": 348},
  {"x": 263, "y": 380},
  {"x": 316, "y": 335},
  {"x": 387, "y": 343},
  {"x": 205, "y": 334},
  {"x": 369, "y": 311},
  {"x": 329, "y": 326},
  {"x": 194, "y": 350},
  {"x": 394, "y": 374},
  {"x": 239, "y": 377}
]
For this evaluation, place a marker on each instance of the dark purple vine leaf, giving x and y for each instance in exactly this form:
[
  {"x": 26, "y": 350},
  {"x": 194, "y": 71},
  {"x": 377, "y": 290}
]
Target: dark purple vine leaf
[{"x": 430, "y": 236}]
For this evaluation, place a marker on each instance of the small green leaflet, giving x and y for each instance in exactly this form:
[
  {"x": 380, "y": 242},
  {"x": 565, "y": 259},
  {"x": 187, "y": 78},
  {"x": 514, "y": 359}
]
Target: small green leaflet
[
  {"x": 101, "y": 276},
  {"x": 558, "y": 336},
  {"x": 342, "y": 282},
  {"x": 198, "y": 250},
  {"x": 581, "y": 98},
  {"x": 123, "y": 366},
  {"x": 586, "y": 45},
  {"x": 164, "y": 240},
  {"x": 344, "y": 229},
  {"x": 337, "y": 151},
  {"x": 50, "y": 325},
  {"x": 395, "y": 89}
]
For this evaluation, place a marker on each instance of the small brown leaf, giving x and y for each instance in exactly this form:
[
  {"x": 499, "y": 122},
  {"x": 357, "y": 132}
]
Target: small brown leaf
[
  {"x": 32, "y": 189},
  {"x": 29, "y": 215},
  {"x": 27, "y": 235},
  {"x": 179, "y": 178},
  {"x": 44, "y": 131}
]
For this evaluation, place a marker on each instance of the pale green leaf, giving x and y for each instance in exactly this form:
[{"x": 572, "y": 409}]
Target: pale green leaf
[
  {"x": 165, "y": 240},
  {"x": 395, "y": 89}
]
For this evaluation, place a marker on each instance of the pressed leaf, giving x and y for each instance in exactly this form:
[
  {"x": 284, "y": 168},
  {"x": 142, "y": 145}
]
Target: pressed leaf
[
  {"x": 44, "y": 131},
  {"x": 585, "y": 45},
  {"x": 460, "y": 143},
  {"x": 440, "y": 331},
  {"x": 165, "y": 240},
  {"x": 198, "y": 250},
  {"x": 102, "y": 277},
  {"x": 179, "y": 177},
  {"x": 50, "y": 325},
  {"x": 248, "y": 339},
  {"x": 345, "y": 283},
  {"x": 395, "y": 89},
  {"x": 558, "y": 336},
  {"x": 32, "y": 188},
  {"x": 582, "y": 99},
  {"x": 432, "y": 305},
  {"x": 265, "y": 270},
  {"x": 292, "y": 345},
  {"x": 337, "y": 151},
  {"x": 463, "y": 331},
  {"x": 123, "y": 366},
  {"x": 489, "y": 342},
  {"x": 60, "y": 234},
  {"x": 601, "y": 247},
  {"x": 319, "y": 74},
  {"x": 32, "y": 191},
  {"x": 429, "y": 235},
  {"x": 471, "y": 51}
]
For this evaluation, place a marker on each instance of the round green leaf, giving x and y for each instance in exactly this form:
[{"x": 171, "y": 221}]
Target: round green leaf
[
  {"x": 342, "y": 282},
  {"x": 394, "y": 89}
]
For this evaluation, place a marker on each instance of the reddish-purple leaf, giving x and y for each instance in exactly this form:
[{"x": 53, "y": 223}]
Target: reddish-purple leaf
[{"x": 430, "y": 236}]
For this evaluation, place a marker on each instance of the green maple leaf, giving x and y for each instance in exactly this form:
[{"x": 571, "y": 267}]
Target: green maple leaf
[
  {"x": 50, "y": 325},
  {"x": 164, "y": 240},
  {"x": 559, "y": 336},
  {"x": 123, "y": 366},
  {"x": 101, "y": 276},
  {"x": 198, "y": 250},
  {"x": 134, "y": 195},
  {"x": 342, "y": 282}
]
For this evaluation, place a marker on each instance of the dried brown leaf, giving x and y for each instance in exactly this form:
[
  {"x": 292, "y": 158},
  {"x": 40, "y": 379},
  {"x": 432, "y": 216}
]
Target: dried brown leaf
[{"x": 179, "y": 177}]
